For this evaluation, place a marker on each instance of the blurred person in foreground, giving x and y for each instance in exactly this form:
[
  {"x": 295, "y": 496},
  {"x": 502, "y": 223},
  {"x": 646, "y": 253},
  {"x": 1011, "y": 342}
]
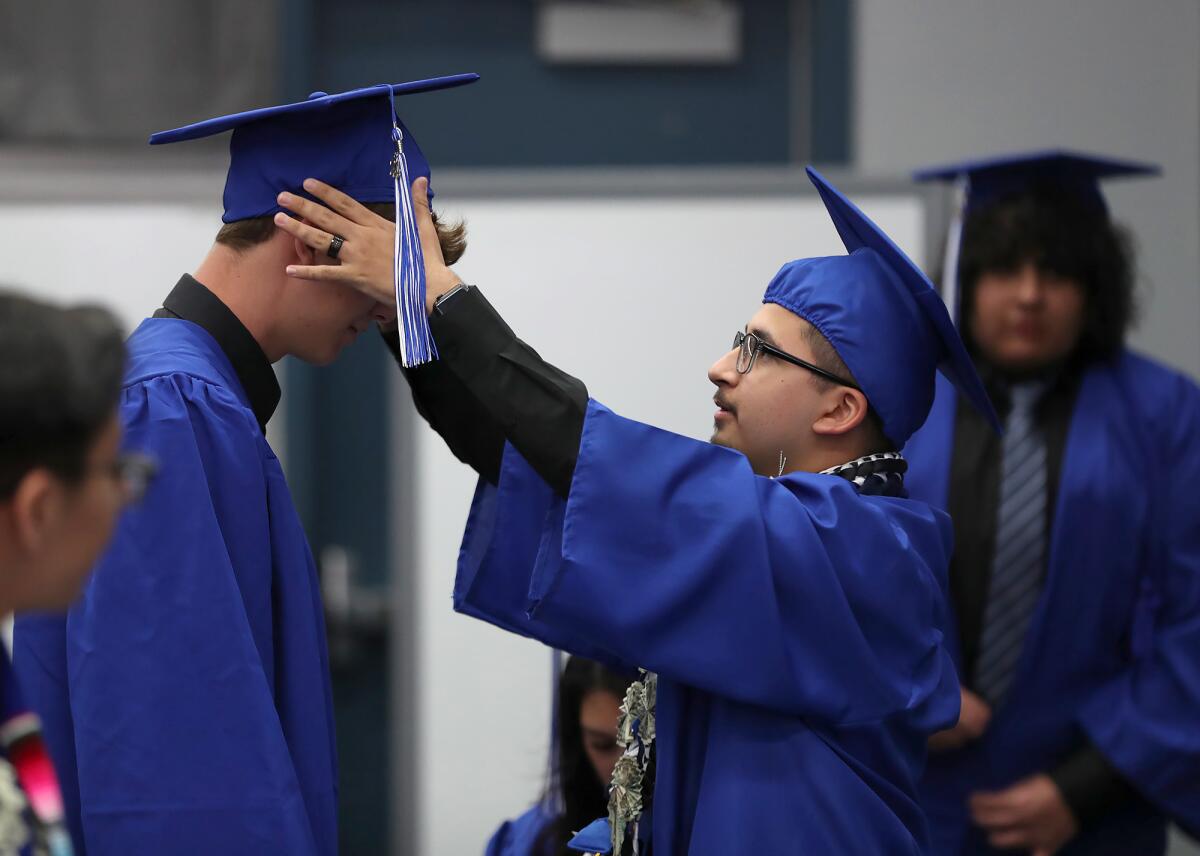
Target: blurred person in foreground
[
  {"x": 63, "y": 483},
  {"x": 585, "y": 751},
  {"x": 1075, "y": 579},
  {"x": 783, "y": 594},
  {"x": 187, "y": 696}
]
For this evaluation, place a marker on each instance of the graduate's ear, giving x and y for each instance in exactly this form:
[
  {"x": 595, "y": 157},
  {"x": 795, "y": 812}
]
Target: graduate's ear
[
  {"x": 304, "y": 254},
  {"x": 842, "y": 410},
  {"x": 35, "y": 504}
]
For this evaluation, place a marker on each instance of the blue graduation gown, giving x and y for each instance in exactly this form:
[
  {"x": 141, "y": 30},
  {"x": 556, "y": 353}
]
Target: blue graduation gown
[
  {"x": 186, "y": 697},
  {"x": 517, "y": 837},
  {"x": 796, "y": 628},
  {"x": 1113, "y": 651}
]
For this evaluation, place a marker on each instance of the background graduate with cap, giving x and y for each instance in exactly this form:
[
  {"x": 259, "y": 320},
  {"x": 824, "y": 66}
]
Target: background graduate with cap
[
  {"x": 784, "y": 594},
  {"x": 186, "y": 696},
  {"x": 1076, "y": 573}
]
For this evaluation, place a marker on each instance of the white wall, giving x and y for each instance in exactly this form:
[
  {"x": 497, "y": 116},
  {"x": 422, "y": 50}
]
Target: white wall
[
  {"x": 942, "y": 79},
  {"x": 637, "y": 297},
  {"x": 126, "y": 256},
  {"x": 939, "y": 80}
]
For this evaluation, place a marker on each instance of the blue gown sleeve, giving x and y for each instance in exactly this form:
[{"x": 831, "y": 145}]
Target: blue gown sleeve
[
  {"x": 518, "y": 837},
  {"x": 1145, "y": 721},
  {"x": 169, "y": 652},
  {"x": 501, "y": 546},
  {"x": 794, "y": 594}
]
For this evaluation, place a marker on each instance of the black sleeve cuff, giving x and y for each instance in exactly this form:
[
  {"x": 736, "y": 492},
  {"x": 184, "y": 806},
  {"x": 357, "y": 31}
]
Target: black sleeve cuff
[
  {"x": 1091, "y": 786},
  {"x": 540, "y": 408},
  {"x": 469, "y": 333},
  {"x": 442, "y": 400}
]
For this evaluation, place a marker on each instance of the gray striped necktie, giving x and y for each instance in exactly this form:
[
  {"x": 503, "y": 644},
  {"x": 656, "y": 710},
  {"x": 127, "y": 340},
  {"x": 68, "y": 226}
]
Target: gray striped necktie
[{"x": 1019, "y": 559}]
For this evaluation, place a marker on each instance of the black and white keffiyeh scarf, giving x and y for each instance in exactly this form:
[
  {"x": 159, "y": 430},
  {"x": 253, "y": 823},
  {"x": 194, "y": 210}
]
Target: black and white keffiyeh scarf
[{"x": 881, "y": 474}]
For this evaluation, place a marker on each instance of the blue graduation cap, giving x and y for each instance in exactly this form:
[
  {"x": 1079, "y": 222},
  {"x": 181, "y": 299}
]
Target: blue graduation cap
[
  {"x": 352, "y": 140},
  {"x": 883, "y": 317},
  {"x": 992, "y": 178}
]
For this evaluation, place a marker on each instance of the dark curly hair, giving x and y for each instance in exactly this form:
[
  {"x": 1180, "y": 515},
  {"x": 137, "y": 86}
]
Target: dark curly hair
[{"x": 1060, "y": 233}]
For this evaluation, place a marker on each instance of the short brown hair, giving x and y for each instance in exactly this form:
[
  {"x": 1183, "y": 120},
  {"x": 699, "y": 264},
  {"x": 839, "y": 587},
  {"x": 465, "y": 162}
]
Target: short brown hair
[
  {"x": 826, "y": 356},
  {"x": 241, "y": 235}
]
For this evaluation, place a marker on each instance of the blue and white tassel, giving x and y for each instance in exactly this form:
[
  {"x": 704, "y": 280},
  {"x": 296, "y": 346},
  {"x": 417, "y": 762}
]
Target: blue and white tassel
[{"x": 416, "y": 340}]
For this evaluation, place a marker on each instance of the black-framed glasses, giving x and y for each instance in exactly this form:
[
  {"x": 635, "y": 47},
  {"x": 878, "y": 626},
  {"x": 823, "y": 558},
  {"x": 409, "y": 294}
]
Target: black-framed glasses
[{"x": 750, "y": 346}]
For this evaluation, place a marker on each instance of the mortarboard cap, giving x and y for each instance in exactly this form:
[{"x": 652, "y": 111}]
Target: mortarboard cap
[
  {"x": 352, "y": 140},
  {"x": 989, "y": 179},
  {"x": 883, "y": 317}
]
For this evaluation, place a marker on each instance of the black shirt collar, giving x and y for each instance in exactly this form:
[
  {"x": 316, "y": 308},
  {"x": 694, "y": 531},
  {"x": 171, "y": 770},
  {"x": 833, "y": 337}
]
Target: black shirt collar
[{"x": 191, "y": 301}]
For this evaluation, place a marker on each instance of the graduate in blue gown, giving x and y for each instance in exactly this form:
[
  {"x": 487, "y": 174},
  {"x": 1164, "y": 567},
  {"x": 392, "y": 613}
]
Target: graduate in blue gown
[
  {"x": 186, "y": 696},
  {"x": 1081, "y": 724},
  {"x": 784, "y": 595},
  {"x": 584, "y": 751}
]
